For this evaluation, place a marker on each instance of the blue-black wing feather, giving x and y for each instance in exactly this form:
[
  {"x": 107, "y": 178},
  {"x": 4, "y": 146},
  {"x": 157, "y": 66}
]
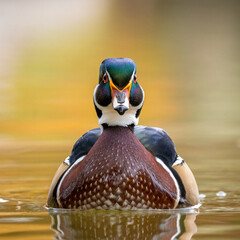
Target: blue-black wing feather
[
  {"x": 157, "y": 141},
  {"x": 84, "y": 144}
]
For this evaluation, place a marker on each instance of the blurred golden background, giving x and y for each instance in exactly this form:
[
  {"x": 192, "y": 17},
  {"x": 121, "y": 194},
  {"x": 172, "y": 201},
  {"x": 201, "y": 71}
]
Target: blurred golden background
[{"x": 187, "y": 54}]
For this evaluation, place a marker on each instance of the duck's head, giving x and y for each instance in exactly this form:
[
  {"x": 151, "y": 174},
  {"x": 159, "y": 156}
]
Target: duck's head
[{"x": 118, "y": 97}]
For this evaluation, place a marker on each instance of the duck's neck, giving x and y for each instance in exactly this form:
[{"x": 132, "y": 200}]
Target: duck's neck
[
  {"x": 121, "y": 128},
  {"x": 115, "y": 136}
]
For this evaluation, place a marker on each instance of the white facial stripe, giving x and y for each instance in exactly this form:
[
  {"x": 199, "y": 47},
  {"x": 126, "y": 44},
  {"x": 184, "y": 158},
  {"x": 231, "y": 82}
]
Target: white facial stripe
[
  {"x": 109, "y": 77},
  {"x": 134, "y": 71}
]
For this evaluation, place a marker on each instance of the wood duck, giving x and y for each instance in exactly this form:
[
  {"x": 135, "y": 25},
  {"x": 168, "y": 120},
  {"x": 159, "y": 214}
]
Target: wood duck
[{"x": 121, "y": 165}]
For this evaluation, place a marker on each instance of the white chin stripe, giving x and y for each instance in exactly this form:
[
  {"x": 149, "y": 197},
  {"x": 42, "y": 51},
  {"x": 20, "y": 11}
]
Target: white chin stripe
[
  {"x": 112, "y": 118},
  {"x": 115, "y": 103},
  {"x": 173, "y": 178}
]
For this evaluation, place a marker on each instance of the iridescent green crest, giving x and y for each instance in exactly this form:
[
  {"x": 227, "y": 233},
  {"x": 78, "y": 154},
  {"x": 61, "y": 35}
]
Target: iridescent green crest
[{"x": 119, "y": 69}]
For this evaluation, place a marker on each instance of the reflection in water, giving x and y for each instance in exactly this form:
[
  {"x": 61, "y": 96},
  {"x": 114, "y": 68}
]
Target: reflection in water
[{"x": 101, "y": 224}]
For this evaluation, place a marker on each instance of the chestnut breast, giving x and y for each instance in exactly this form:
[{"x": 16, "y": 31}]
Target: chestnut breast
[{"x": 117, "y": 173}]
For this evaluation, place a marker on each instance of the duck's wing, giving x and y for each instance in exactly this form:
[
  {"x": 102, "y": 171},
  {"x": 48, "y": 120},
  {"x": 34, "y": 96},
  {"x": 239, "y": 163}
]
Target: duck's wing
[
  {"x": 83, "y": 145},
  {"x": 157, "y": 141},
  {"x": 80, "y": 150}
]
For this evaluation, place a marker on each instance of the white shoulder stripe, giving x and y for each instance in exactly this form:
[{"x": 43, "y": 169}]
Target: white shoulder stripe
[
  {"x": 67, "y": 161},
  {"x": 173, "y": 178},
  {"x": 59, "y": 185}
]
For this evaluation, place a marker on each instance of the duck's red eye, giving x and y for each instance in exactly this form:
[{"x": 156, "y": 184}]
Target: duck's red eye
[
  {"x": 135, "y": 78},
  {"x": 105, "y": 78}
]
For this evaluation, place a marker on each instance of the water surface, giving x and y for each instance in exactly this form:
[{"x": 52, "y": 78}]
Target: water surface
[{"x": 24, "y": 188}]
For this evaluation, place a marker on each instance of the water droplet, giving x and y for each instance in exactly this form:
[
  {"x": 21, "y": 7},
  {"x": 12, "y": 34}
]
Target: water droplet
[
  {"x": 221, "y": 194},
  {"x": 202, "y": 196}
]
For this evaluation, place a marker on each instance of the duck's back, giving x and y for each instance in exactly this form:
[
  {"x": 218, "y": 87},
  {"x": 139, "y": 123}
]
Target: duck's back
[{"x": 118, "y": 173}]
